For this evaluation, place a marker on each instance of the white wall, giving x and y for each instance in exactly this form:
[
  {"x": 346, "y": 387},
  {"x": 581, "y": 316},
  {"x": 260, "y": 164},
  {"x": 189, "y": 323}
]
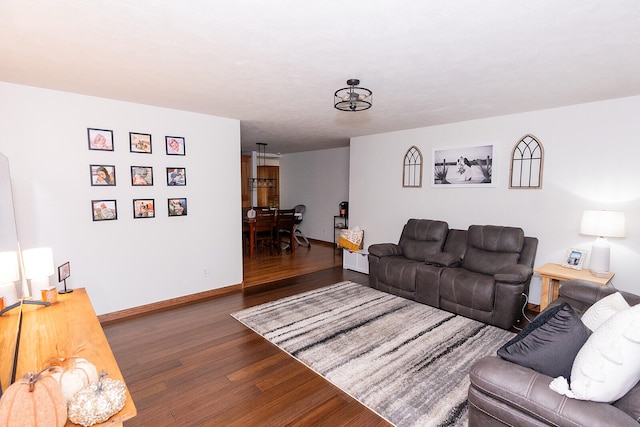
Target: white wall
[
  {"x": 319, "y": 180},
  {"x": 127, "y": 262},
  {"x": 591, "y": 152}
]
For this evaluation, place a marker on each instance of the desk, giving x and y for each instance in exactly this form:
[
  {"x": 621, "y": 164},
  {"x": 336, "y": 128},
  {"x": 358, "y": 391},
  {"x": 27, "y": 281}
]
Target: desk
[
  {"x": 64, "y": 326},
  {"x": 552, "y": 274}
]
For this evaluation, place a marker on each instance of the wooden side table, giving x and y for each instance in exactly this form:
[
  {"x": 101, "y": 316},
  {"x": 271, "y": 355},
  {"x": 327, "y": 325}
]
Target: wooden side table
[{"x": 552, "y": 274}]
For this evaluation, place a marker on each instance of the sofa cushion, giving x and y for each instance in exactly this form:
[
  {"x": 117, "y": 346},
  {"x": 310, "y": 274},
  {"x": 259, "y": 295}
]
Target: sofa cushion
[
  {"x": 398, "y": 272},
  {"x": 490, "y": 248},
  {"x": 550, "y": 343},
  {"x": 421, "y": 237},
  {"x": 466, "y": 288},
  {"x": 602, "y": 310}
]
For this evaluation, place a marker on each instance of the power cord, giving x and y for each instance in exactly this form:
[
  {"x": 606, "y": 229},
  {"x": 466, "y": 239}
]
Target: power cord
[{"x": 526, "y": 301}]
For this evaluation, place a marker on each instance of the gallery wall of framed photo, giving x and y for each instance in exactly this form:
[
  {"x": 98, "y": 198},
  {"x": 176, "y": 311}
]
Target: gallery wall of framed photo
[{"x": 142, "y": 171}]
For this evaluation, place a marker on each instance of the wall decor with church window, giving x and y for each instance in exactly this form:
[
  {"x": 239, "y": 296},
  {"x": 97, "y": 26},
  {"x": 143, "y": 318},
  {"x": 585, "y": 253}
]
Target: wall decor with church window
[
  {"x": 527, "y": 159},
  {"x": 412, "y": 168}
]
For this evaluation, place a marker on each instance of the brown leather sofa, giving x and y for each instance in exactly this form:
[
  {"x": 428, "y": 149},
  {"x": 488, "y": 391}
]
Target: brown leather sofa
[
  {"x": 504, "y": 393},
  {"x": 481, "y": 273}
]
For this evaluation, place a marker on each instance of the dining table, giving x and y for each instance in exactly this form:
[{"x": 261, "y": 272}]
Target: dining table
[{"x": 252, "y": 234}]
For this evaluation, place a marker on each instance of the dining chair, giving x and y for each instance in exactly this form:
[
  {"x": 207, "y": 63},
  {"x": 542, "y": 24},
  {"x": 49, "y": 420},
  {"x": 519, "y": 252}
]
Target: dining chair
[
  {"x": 264, "y": 229},
  {"x": 285, "y": 220}
]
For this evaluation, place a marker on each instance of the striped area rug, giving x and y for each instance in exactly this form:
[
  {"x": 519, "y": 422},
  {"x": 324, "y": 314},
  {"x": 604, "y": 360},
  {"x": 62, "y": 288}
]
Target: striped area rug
[{"x": 406, "y": 361}]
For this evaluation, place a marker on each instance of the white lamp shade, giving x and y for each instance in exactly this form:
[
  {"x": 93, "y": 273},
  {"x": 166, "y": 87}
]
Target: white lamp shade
[
  {"x": 9, "y": 292},
  {"x": 38, "y": 263},
  {"x": 9, "y": 267},
  {"x": 603, "y": 223}
]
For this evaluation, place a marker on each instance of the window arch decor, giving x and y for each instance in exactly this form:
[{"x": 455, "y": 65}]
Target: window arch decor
[
  {"x": 412, "y": 170},
  {"x": 527, "y": 159}
]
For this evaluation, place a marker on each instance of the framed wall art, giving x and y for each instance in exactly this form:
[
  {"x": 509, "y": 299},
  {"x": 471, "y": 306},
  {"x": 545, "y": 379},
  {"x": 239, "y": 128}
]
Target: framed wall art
[
  {"x": 141, "y": 175},
  {"x": 175, "y": 145},
  {"x": 100, "y": 139},
  {"x": 176, "y": 176},
  {"x": 140, "y": 142},
  {"x": 177, "y": 207},
  {"x": 463, "y": 167},
  {"x": 143, "y": 208},
  {"x": 102, "y": 175},
  {"x": 104, "y": 210},
  {"x": 574, "y": 258}
]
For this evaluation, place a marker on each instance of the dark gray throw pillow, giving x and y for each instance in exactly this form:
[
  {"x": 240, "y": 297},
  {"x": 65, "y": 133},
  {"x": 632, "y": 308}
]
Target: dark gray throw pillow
[{"x": 550, "y": 343}]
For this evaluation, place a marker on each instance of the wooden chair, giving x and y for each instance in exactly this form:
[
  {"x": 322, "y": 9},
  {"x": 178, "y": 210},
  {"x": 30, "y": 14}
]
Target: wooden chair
[
  {"x": 264, "y": 229},
  {"x": 285, "y": 220}
]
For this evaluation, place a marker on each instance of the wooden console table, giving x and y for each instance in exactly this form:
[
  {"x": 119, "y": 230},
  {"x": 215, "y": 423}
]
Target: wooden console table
[
  {"x": 552, "y": 274},
  {"x": 61, "y": 329}
]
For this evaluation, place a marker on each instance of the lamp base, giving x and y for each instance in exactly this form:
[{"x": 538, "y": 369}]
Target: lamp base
[
  {"x": 599, "y": 273},
  {"x": 65, "y": 290}
]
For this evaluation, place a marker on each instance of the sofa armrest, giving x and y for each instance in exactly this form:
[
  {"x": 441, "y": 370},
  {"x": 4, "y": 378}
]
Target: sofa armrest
[
  {"x": 384, "y": 249},
  {"x": 515, "y": 273},
  {"x": 510, "y": 392},
  {"x": 443, "y": 259}
]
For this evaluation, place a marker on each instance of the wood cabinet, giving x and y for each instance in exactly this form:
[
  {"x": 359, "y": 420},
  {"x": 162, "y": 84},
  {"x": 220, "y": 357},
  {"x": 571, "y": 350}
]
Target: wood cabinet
[
  {"x": 245, "y": 175},
  {"x": 269, "y": 196}
]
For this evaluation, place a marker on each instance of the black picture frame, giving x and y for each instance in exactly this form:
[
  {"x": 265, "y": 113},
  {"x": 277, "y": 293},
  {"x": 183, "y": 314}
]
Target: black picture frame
[
  {"x": 102, "y": 175},
  {"x": 177, "y": 206},
  {"x": 176, "y": 176},
  {"x": 100, "y": 139},
  {"x": 141, "y": 176},
  {"x": 104, "y": 210},
  {"x": 144, "y": 208},
  {"x": 175, "y": 145},
  {"x": 64, "y": 271},
  {"x": 140, "y": 142}
]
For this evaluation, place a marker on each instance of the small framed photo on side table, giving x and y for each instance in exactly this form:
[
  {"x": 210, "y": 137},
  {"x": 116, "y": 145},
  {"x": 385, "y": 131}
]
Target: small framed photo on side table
[
  {"x": 64, "y": 271},
  {"x": 574, "y": 258}
]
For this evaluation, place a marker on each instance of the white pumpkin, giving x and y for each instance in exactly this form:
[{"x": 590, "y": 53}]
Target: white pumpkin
[{"x": 74, "y": 375}]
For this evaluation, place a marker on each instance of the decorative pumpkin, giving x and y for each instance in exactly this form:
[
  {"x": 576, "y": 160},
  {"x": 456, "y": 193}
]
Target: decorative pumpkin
[
  {"x": 73, "y": 373},
  {"x": 34, "y": 401},
  {"x": 96, "y": 403}
]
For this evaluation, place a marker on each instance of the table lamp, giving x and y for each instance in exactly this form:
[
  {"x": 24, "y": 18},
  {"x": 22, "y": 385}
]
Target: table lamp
[
  {"x": 38, "y": 266},
  {"x": 602, "y": 224},
  {"x": 8, "y": 275}
]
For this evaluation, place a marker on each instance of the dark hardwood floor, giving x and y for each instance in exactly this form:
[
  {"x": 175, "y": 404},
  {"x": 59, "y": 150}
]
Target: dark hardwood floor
[{"x": 195, "y": 365}]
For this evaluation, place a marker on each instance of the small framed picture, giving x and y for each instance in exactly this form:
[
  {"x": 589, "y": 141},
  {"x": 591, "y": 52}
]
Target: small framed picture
[
  {"x": 574, "y": 258},
  {"x": 104, "y": 210},
  {"x": 143, "y": 208},
  {"x": 141, "y": 175},
  {"x": 103, "y": 174},
  {"x": 176, "y": 176},
  {"x": 177, "y": 207},
  {"x": 100, "y": 139},
  {"x": 64, "y": 271},
  {"x": 140, "y": 142},
  {"x": 175, "y": 145}
]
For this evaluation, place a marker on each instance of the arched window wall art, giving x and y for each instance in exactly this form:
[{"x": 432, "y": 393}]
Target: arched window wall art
[
  {"x": 527, "y": 159},
  {"x": 412, "y": 169}
]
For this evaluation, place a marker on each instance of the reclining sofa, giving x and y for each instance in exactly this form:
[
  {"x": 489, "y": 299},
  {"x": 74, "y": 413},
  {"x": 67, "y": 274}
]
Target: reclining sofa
[
  {"x": 505, "y": 393},
  {"x": 481, "y": 273}
]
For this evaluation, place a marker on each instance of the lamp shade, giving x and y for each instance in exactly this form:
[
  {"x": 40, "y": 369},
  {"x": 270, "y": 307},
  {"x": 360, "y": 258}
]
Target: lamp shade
[
  {"x": 38, "y": 263},
  {"x": 8, "y": 267},
  {"x": 603, "y": 223}
]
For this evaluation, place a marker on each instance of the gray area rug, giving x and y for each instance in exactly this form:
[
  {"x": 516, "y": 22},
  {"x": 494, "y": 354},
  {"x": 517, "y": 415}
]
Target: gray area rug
[{"x": 406, "y": 361}]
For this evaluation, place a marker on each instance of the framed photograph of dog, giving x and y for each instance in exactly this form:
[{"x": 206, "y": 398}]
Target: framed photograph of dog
[
  {"x": 463, "y": 167},
  {"x": 574, "y": 258}
]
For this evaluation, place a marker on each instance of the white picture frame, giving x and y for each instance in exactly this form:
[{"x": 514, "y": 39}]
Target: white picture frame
[{"x": 574, "y": 258}]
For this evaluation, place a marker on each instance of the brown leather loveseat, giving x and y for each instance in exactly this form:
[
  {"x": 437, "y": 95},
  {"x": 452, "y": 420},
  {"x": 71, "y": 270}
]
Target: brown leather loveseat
[{"x": 481, "y": 273}]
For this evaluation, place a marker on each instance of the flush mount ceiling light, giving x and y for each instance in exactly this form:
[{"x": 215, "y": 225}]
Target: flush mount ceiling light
[{"x": 353, "y": 98}]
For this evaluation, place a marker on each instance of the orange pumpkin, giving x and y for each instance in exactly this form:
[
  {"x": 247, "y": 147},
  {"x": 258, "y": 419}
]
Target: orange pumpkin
[{"x": 34, "y": 401}]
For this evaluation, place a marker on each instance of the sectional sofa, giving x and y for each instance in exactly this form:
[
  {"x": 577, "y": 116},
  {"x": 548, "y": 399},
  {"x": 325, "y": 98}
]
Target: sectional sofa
[{"x": 482, "y": 272}]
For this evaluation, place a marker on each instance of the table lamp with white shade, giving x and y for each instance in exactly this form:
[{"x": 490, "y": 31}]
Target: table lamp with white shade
[
  {"x": 602, "y": 224},
  {"x": 38, "y": 266},
  {"x": 9, "y": 274}
]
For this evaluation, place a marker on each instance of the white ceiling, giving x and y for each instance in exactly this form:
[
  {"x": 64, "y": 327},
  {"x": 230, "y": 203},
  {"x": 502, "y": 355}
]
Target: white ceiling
[{"x": 275, "y": 65}]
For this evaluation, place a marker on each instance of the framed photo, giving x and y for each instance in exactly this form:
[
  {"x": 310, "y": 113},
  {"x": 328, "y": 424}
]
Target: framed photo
[
  {"x": 139, "y": 142},
  {"x": 64, "y": 271},
  {"x": 176, "y": 176},
  {"x": 574, "y": 258},
  {"x": 103, "y": 174},
  {"x": 100, "y": 139},
  {"x": 175, "y": 145},
  {"x": 177, "y": 207},
  {"x": 104, "y": 210},
  {"x": 143, "y": 208},
  {"x": 463, "y": 167},
  {"x": 141, "y": 175}
]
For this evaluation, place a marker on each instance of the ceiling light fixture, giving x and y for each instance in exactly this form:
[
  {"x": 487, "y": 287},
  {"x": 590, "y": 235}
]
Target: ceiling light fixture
[
  {"x": 353, "y": 98},
  {"x": 264, "y": 182}
]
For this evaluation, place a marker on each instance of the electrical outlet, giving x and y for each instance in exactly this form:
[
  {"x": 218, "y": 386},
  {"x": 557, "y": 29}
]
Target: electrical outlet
[{"x": 205, "y": 272}]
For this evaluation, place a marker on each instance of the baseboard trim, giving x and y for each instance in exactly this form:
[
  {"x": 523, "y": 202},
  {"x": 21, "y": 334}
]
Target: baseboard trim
[{"x": 128, "y": 313}]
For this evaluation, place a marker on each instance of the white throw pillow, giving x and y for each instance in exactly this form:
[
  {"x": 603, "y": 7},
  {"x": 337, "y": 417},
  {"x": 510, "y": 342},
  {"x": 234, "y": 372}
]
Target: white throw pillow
[
  {"x": 603, "y": 310},
  {"x": 608, "y": 365}
]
